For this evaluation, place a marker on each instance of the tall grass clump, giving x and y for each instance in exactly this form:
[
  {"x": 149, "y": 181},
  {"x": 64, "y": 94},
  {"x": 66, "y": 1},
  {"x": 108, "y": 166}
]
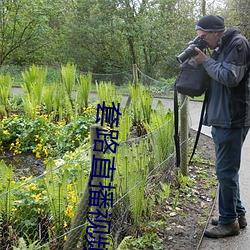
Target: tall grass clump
[
  {"x": 5, "y": 90},
  {"x": 83, "y": 91},
  {"x": 161, "y": 129},
  {"x": 68, "y": 74},
  {"x": 33, "y": 85},
  {"x": 106, "y": 92},
  {"x": 141, "y": 106},
  {"x": 48, "y": 97},
  {"x": 132, "y": 164},
  {"x": 6, "y": 184}
]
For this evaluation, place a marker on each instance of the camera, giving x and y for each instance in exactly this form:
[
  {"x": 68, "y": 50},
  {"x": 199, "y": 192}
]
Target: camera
[{"x": 190, "y": 51}]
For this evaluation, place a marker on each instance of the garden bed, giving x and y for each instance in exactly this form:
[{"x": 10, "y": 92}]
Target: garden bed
[
  {"x": 186, "y": 225},
  {"x": 179, "y": 221}
]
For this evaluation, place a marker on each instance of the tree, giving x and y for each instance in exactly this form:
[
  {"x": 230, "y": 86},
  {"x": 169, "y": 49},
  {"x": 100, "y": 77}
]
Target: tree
[
  {"x": 20, "y": 22},
  {"x": 237, "y": 13}
]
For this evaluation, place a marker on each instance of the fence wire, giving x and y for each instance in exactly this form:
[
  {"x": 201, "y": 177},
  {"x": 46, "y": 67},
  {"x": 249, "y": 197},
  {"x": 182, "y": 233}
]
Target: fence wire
[{"x": 48, "y": 203}]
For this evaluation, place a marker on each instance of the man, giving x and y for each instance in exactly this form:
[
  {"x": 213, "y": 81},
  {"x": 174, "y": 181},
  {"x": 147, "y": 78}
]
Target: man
[{"x": 228, "y": 112}]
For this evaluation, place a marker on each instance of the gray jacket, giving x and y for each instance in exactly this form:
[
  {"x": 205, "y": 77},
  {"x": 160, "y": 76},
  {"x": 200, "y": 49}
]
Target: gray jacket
[{"x": 228, "y": 103}]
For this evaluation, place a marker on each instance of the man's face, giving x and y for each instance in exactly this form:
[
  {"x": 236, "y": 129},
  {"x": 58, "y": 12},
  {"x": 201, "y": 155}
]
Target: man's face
[{"x": 211, "y": 38}]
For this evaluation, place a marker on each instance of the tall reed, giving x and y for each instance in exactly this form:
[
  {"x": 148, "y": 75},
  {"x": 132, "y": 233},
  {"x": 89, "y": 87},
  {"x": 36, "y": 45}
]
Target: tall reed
[
  {"x": 141, "y": 103},
  {"x": 132, "y": 169},
  {"x": 6, "y": 184},
  {"x": 68, "y": 74},
  {"x": 83, "y": 91},
  {"x": 56, "y": 184},
  {"x": 106, "y": 92},
  {"x": 160, "y": 129},
  {"x": 33, "y": 86},
  {"x": 48, "y": 98},
  {"x": 5, "y": 90}
]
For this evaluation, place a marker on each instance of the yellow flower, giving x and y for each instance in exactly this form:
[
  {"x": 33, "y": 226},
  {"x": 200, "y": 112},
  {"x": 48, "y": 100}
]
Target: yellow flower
[
  {"x": 6, "y": 132},
  {"x": 31, "y": 187},
  {"x": 69, "y": 211},
  {"x": 45, "y": 151},
  {"x": 14, "y": 209},
  {"x": 73, "y": 199},
  {"x": 38, "y": 155},
  {"x": 37, "y": 196},
  {"x": 17, "y": 152}
]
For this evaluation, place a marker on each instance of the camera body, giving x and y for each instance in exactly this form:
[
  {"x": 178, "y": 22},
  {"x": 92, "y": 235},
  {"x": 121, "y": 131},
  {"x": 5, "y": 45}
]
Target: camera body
[{"x": 190, "y": 51}]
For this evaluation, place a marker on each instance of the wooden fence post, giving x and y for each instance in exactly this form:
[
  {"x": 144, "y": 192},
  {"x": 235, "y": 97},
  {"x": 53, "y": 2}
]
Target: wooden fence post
[
  {"x": 135, "y": 82},
  {"x": 135, "y": 74},
  {"x": 83, "y": 207},
  {"x": 97, "y": 181}
]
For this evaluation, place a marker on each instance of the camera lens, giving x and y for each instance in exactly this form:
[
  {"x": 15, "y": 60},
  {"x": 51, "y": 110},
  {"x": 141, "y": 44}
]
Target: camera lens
[
  {"x": 190, "y": 51},
  {"x": 187, "y": 53}
]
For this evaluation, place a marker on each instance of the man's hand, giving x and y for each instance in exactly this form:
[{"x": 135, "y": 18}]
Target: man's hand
[{"x": 200, "y": 58}]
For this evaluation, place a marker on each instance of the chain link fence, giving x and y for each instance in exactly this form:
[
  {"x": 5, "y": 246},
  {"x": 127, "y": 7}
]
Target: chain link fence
[{"x": 52, "y": 210}]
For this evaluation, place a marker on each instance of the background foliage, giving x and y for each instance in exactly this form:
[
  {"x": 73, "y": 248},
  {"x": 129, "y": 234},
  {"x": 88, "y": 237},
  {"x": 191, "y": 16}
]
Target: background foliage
[{"x": 106, "y": 36}]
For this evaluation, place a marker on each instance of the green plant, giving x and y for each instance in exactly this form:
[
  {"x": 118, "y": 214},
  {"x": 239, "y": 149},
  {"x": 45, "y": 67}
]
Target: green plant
[
  {"x": 132, "y": 167},
  {"x": 5, "y": 90},
  {"x": 68, "y": 74},
  {"x": 106, "y": 92},
  {"x": 160, "y": 131},
  {"x": 62, "y": 104},
  {"x": 147, "y": 241},
  {"x": 141, "y": 103},
  {"x": 125, "y": 124},
  {"x": 30, "y": 208},
  {"x": 48, "y": 98},
  {"x": 6, "y": 196},
  {"x": 176, "y": 199},
  {"x": 184, "y": 181},
  {"x": 42, "y": 136},
  {"x": 34, "y": 81},
  {"x": 146, "y": 102},
  {"x": 29, "y": 245},
  {"x": 165, "y": 190},
  {"x": 83, "y": 91},
  {"x": 56, "y": 187}
]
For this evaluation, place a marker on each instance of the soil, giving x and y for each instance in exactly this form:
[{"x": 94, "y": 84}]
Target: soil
[{"x": 25, "y": 164}]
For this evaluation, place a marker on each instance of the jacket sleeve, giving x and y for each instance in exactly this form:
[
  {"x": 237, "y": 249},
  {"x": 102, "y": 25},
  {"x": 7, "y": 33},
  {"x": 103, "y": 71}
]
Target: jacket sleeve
[{"x": 234, "y": 66}]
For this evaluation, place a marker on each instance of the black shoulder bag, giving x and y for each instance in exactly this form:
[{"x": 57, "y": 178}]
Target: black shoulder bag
[{"x": 191, "y": 81}]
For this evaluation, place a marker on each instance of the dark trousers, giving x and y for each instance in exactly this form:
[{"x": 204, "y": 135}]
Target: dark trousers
[{"x": 228, "y": 145}]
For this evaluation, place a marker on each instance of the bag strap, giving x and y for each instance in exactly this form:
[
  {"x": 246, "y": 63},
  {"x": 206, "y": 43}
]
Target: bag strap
[
  {"x": 199, "y": 127},
  {"x": 176, "y": 126}
]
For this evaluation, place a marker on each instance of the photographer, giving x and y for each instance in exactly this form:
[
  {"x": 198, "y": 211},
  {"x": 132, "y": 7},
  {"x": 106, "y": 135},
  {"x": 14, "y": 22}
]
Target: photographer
[{"x": 228, "y": 112}]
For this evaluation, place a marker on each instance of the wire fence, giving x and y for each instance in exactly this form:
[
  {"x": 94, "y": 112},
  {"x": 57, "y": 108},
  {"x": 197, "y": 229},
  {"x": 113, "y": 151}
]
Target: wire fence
[
  {"x": 158, "y": 87},
  {"x": 39, "y": 213}
]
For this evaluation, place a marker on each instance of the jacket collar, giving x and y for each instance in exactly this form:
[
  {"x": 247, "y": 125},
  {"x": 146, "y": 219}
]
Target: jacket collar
[{"x": 231, "y": 32}]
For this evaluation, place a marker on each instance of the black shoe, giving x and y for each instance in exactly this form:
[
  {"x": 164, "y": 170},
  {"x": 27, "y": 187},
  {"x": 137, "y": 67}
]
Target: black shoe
[
  {"x": 241, "y": 219},
  {"x": 221, "y": 231}
]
